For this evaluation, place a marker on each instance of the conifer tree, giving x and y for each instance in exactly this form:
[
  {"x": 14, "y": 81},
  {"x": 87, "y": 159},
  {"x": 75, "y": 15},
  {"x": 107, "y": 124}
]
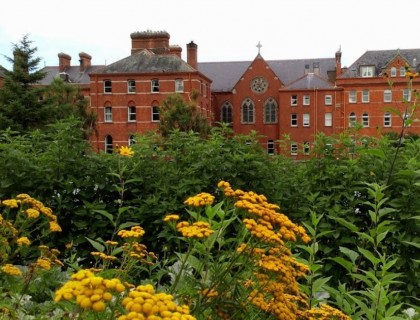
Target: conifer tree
[{"x": 21, "y": 105}]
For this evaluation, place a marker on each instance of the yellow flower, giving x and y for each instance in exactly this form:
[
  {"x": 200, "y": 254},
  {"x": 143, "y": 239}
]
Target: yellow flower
[
  {"x": 44, "y": 263},
  {"x": 55, "y": 227},
  {"x": 11, "y": 203},
  {"x": 11, "y": 270},
  {"x": 171, "y": 217},
  {"x": 32, "y": 213},
  {"x": 126, "y": 151},
  {"x": 23, "y": 241}
]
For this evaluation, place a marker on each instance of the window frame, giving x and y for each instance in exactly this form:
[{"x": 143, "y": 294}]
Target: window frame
[
  {"x": 365, "y": 96},
  {"x": 131, "y": 113},
  {"x": 352, "y": 120},
  {"x": 179, "y": 85},
  {"x": 293, "y": 100},
  {"x": 352, "y": 96},
  {"x": 294, "y": 120},
  {"x": 248, "y": 107},
  {"x": 154, "y": 86},
  {"x": 387, "y": 95},
  {"x": 226, "y": 112},
  {"x": 108, "y": 144},
  {"x": 306, "y": 119},
  {"x": 367, "y": 71},
  {"x": 270, "y": 147},
  {"x": 406, "y": 95},
  {"x": 328, "y": 120},
  {"x": 131, "y": 86},
  {"x": 107, "y": 86},
  {"x": 365, "y": 120},
  {"x": 402, "y": 71},
  {"x": 155, "y": 113},
  {"x": 387, "y": 120},
  {"x": 131, "y": 140},
  {"x": 293, "y": 149},
  {"x": 270, "y": 111},
  {"x": 393, "y": 72},
  {"x": 306, "y": 147},
  {"x": 328, "y": 100},
  {"x": 107, "y": 114},
  {"x": 306, "y": 100}
]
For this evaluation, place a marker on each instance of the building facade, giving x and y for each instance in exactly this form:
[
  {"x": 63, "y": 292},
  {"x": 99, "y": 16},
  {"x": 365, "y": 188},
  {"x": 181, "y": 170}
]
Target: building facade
[{"x": 282, "y": 100}]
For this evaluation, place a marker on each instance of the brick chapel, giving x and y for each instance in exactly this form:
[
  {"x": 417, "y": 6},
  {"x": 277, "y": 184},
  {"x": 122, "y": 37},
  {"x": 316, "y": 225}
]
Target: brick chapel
[{"x": 297, "y": 97}]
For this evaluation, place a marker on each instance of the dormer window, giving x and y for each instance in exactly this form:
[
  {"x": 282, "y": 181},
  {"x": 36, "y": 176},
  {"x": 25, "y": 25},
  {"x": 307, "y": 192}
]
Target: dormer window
[
  {"x": 402, "y": 72},
  {"x": 367, "y": 71},
  {"x": 393, "y": 72}
]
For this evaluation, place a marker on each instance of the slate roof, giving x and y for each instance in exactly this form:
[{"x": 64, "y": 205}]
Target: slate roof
[
  {"x": 73, "y": 72},
  {"x": 380, "y": 59},
  {"x": 225, "y": 75},
  {"x": 310, "y": 81},
  {"x": 146, "y": 61}
]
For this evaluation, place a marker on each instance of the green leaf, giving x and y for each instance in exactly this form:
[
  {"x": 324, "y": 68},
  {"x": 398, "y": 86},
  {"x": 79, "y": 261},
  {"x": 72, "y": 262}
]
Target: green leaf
[
  {"x": 414, "y": 244},
  {"x": 343, "y": 262},
  {"x": 366, "y": 237},
  {"x": 106, "y": 214},
  {"x": 98, "y": 246},
  {"x": 369, "y": 255},
  {"x": 127, "y": 225},
  {"x": 353, "y": 255},
  {"x": 345, "y": 223},
  {"x": 318, "y": 284}
]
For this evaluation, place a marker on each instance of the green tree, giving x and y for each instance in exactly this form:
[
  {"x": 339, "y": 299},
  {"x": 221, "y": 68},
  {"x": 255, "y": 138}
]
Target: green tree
[
  {"x": 21, "y": 104},
  {"x": 176, "y": 114}
]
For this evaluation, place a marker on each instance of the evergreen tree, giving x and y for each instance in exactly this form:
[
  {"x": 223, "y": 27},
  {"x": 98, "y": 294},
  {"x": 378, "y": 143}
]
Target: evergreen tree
[{"x": 21, "y": 105}]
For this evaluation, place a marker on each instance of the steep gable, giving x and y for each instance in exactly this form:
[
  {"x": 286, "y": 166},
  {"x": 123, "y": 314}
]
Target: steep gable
[{"x": 310, "y": 81}]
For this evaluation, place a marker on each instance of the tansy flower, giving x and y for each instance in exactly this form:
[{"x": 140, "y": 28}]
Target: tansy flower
[
  {"x": 11, "y": 270},
  {"x": 171, "y": 217},
  {"x": 43, "y": 263},
  {"x": 135, "y": 232},
  {"x": 201, "y": 199},
  {"x": 11, "y": 203},
  {"x": 126, "y": 151},
  {"x": 55, "y": 227},
  {"x": 32, "y": 213},
  {"x": 23, "y": 241}
]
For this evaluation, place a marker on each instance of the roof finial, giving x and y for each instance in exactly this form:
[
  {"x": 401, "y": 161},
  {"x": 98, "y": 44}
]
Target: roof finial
[{"x": 259, "y": 45}]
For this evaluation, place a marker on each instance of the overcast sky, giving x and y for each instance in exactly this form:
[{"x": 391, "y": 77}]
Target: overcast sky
[{"x": 224, "y": 30}]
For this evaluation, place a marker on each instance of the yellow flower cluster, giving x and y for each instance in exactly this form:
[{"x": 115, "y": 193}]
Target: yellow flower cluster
[
  {"x": 199, "y": 229},
  {"x": 144, "y": 303},
  {"x": 32, "y": 213},
  {"x": 209, "y": 293},
  {"x": 325, "y": 312},
  {"x": 135, "y": 232},
  {"x": 103, "y": 256},
  {"x": 126, "y": 151},
  {"x": 11, "y": 270},
  {"x": 11, "y": 203},
  {"x": 90, "y": 291},
  {"x": 200, "y": 200},
  {"x": 48, "y": 258},
  {"x": 139, "y": 252},
  {"x": 171, "y": 217},
  {"x": 23, "y": 241},
  {"x": 268, "y": 216}
]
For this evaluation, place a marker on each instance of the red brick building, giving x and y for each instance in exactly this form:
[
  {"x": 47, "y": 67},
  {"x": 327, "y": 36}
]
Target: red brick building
[{"x": 277, "y": 98}]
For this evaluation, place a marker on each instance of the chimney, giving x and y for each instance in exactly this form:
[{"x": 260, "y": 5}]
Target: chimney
[
  {"x": 192, "y": 54},
  {"x": 306, "y": 68},
  {"x": 63, "y": 61},
  {"x": 156, "y": 41},
  {"x": 176, "y": 50},
  {"x": 338, "y": 70},
  {"x": 85, "y": 61},
  {"x": 316, "y": 68}
]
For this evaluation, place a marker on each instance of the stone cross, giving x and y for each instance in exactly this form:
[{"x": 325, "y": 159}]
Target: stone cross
[{"x": 259, "y": 45}]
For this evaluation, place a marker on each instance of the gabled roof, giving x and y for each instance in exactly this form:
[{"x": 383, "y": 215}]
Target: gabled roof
[
  {"x": 310, "y": 81},
  {"x": 73, "y": 72},
  {"x": 225, "y": 75},
  {"x": 146, "y": 61},
  {"x": 380, "y": 59}
]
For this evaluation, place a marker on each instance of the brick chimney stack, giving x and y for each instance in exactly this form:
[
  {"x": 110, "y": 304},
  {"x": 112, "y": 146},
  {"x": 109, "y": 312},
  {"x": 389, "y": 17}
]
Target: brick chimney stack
[
  {"x": 156, "y": 41},
  {"x": 338, "y": 63},
  {"x": 64, "y": 61},
  {"x": 85, "y": 61},
  {"x": 192, "y": 54},
  {"x": 176, "y": 50}
]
